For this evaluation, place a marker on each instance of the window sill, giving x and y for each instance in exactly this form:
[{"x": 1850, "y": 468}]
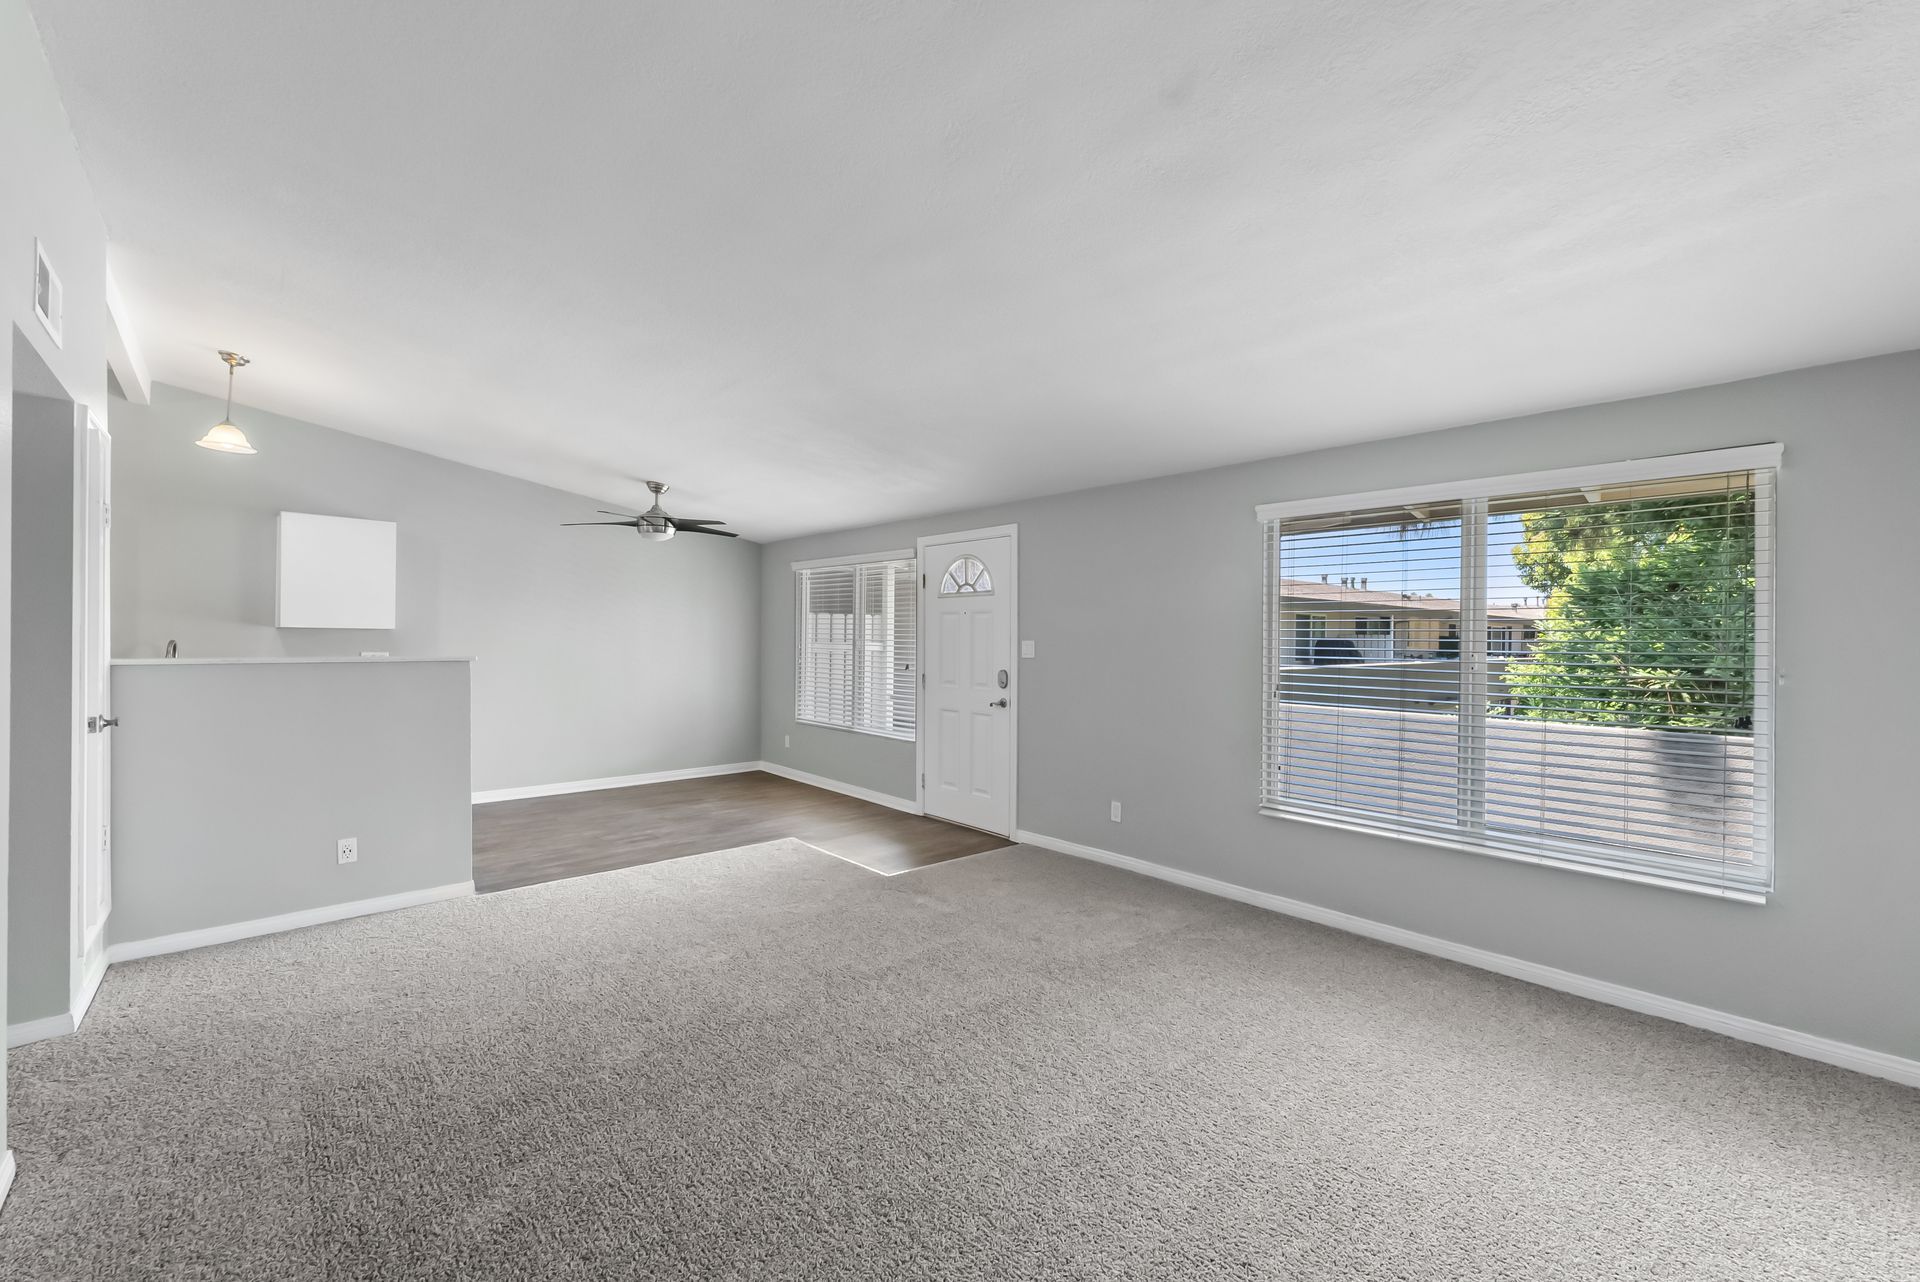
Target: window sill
[
  {"x": 871, "y": 734},
  {"x": 1735, "y": 894}
]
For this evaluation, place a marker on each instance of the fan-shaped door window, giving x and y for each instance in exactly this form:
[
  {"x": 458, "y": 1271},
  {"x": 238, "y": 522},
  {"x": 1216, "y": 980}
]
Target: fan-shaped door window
[{"x": 967, "y": 576}]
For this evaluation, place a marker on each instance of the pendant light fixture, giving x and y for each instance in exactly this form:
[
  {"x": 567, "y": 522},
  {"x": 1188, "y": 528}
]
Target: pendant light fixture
[{"x": 224, "y": 436}]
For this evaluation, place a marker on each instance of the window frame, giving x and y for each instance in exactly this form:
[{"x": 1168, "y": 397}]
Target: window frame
[
  {"x": 967, "y": 588},
  {"x": 858, "y": 644},
  {"x": 1594, "y": 858}
]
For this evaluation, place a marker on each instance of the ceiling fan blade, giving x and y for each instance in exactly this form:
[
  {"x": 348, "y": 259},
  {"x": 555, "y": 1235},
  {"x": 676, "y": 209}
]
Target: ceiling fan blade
[
  {"x": 693, "y": 520},
  {"x": 701, "y": 529},
  {"x": 634, "y": 524},
  {"x": 603, "y": 512}
]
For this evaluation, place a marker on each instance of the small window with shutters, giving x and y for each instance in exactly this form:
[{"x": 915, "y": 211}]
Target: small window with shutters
[
  {"x": 857, "y": 659},
  {"x": 1572, "y": 668}
]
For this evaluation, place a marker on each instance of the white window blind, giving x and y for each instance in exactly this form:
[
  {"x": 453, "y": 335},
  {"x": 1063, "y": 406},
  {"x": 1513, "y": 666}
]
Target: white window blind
[
  {"x": 857, "y": 653},
  {"x": 1571, "y": 668}
]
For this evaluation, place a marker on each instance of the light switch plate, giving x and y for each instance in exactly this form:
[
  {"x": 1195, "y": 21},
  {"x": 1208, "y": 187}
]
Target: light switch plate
[{"x": 1026, "y": 649}]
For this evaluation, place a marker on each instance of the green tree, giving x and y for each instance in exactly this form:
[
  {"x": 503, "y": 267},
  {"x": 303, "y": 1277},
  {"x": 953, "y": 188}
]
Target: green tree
[{"x": 1649, "y": 617}]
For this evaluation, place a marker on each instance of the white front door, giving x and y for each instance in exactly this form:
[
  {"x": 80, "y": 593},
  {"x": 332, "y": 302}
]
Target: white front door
[
  {"x": 968, "y": 717},
  {"x": 93, "y": 882}
]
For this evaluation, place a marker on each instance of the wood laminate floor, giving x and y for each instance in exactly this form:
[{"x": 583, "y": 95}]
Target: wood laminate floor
[{"x": 521, "y": 843}]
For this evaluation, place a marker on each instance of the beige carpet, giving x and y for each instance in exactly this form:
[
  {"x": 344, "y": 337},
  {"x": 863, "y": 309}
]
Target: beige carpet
[{"x": 769, "y": 1064}]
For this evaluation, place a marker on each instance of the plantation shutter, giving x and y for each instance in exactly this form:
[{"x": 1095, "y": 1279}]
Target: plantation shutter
[
  {"x": 1571, "y": 668},
  {"x": 857, "y": 653},
  {"x": 824, "y": 682}
]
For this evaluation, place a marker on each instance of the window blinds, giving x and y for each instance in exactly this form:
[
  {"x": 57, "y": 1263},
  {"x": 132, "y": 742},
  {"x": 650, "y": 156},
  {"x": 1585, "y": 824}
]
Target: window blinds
[
  {"x": 1571, "y": 668},
  {"x": 857, "y": 653}
]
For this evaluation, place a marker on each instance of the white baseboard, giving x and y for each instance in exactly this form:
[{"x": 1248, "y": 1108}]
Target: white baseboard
[
  {"x": 39, "y": 1030},
  {"x": 611, "y": 781},
  {"x": 1828, "y": 1051},
  {"x": 286, "y": 921},
  {"x": 6, "y": 1173},
  {"x": 834, "y": 785}
]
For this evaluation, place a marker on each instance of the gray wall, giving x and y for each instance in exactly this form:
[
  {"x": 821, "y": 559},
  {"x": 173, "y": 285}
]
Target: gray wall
[
  {"x": 233, "y": 782},
  {"x": 1145, "y": 688},
  {"x": 597, "y": 654},
  {"x": 45, "y": 195},
  {"x": 40, "y": 977}
]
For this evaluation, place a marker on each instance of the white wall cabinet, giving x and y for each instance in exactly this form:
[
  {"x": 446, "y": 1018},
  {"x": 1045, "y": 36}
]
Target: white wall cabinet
[{"x": 336, "y": 572}]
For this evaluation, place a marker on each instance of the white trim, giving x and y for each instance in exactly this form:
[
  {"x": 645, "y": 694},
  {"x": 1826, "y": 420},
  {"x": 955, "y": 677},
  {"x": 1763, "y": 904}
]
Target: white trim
[
  {"x": 927, "y": 588},
  {"x": 1859, "y": 1059},
  {"x": 878, "y": 734},
  {"x": 39, "y": 1030},
  {"x": 89, "y": 987},
  {"x": 865, "y": 558},
  {"x": 834, "y": 785},
  {"x": 1739, "y": 458},
  {"x": 123, "y": 348},
  {"x": 1466, "y": 845},
  {"x": 6, "y": 1173},
  {"x": 961, "y": 536},
  {"x": 188, "y": 939},
  {"x": 612, "y": 781}
]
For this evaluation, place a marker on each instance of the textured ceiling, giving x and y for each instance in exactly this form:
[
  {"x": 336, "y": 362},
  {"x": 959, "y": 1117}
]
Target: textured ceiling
[{"x": 821, "y": 264}]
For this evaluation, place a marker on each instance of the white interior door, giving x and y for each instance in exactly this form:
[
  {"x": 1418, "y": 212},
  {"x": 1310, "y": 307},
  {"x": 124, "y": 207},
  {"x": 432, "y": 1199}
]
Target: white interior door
[
  {"x": 93, "y": 889},
  {"x": 967, "y": 726}
]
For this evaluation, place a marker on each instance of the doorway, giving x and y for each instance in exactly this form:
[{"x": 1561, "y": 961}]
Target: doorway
[
  {"x": 970, "y": 701},
  {"x": 59, "y": 873}
]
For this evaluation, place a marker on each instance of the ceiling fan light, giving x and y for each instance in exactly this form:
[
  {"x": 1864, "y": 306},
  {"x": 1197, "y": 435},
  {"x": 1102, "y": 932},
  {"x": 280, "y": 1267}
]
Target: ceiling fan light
[
  {"x": 226, "y": 438},
  {"x": 653, "y": 535}
]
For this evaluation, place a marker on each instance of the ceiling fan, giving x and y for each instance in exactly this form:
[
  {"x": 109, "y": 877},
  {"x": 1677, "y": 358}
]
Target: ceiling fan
[{"x": 656, "y": 526}]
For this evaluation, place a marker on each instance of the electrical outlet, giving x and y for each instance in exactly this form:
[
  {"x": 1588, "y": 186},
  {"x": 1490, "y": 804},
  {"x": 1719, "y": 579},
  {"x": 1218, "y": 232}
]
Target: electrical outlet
[
  {"x": 349, "y": 850},
  {"x": 1113, "y": 811}
]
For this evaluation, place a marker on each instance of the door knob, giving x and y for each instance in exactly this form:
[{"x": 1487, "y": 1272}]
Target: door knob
[{"x": 998, "y": 703}]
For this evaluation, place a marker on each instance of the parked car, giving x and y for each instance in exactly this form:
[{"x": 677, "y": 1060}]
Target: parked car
[{"x": 1328, "y": 650}]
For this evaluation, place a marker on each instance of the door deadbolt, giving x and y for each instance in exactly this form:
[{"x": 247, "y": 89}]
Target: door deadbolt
[{"x": 1003, "y": 678}]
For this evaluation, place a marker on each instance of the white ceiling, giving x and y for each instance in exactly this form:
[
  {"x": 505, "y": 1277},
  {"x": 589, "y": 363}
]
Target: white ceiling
[{"x": 820, "y": 264}]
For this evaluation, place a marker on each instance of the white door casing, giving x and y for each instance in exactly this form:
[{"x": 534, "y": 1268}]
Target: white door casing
[
  {"x": 93, "y": 881},
  {"x": 969, "y": 704}
]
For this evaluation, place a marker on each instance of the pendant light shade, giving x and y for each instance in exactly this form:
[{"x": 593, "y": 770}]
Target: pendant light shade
[{"x": 224, "y": 436}]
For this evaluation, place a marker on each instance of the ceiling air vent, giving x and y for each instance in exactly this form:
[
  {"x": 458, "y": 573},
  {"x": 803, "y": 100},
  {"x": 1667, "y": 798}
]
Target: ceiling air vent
[{"x": 48, "y": 301}]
